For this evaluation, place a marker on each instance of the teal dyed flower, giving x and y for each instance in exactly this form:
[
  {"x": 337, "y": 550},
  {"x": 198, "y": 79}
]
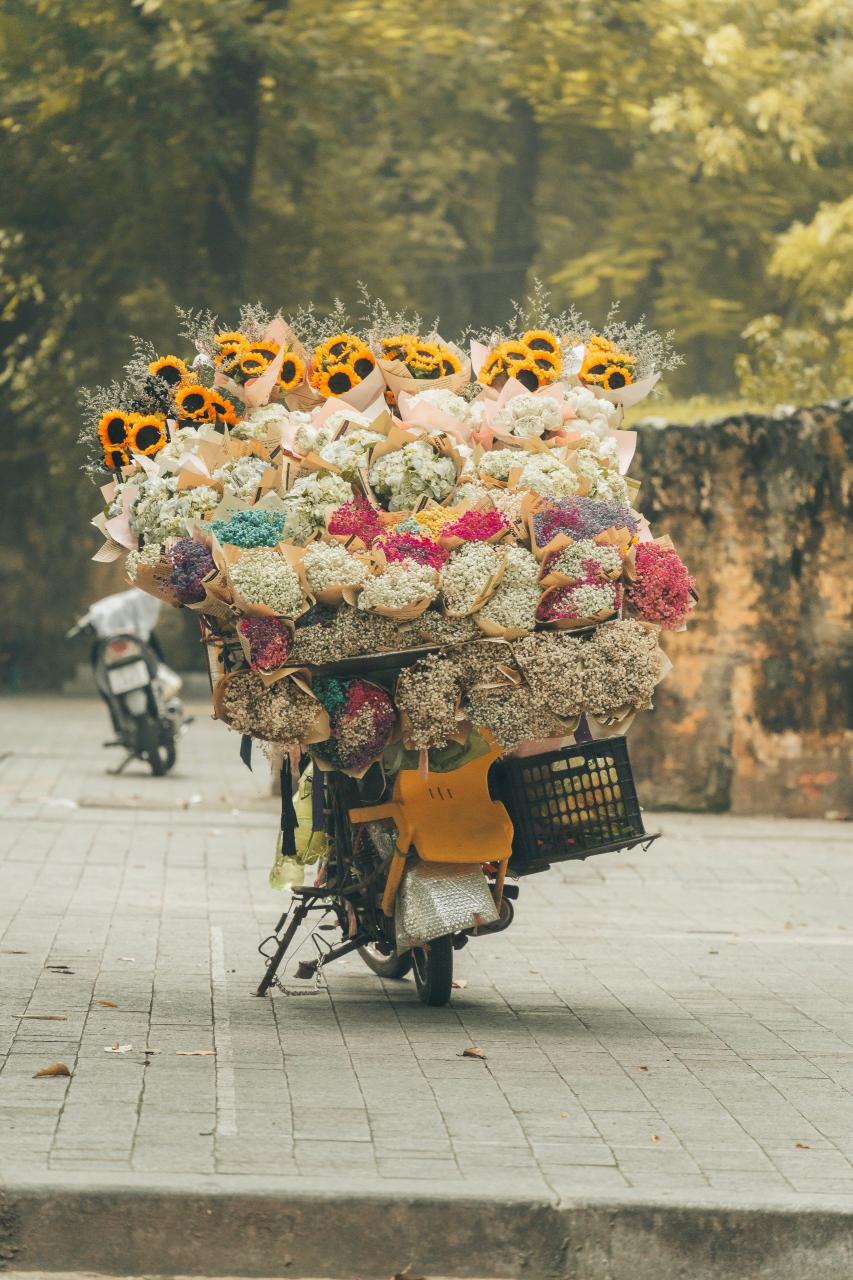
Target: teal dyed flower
[{"x": 250, "y": 528}]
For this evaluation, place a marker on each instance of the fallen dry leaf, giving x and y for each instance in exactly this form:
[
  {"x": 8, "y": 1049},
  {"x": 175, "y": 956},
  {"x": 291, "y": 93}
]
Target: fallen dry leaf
[
  {"x": 107, "y": 1004},
  {"x": 642, "y": 1068},
  {"x": 15, "y": 951},
  {"x": 194, "y": 1053},
  {"x": 802, "y": 1146},
  {"x": 459, "y": 984},
  {"x": 473, "y": 1051},
  {"x": 55, "y": 1069},
  {"x": 42, "y": 1017},
  {"x": 655, "y": 1137},
  {"x": 117, "y": 1048}
]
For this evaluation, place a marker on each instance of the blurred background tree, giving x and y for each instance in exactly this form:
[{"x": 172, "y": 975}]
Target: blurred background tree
[{"x": 693, "y": 161}]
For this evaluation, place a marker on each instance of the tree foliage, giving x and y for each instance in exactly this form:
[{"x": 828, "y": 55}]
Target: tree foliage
[{"x": 693, "y": 161}]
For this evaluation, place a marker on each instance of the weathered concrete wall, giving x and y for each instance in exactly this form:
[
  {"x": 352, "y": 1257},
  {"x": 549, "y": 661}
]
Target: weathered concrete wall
[{"x": 755, "y": 715}]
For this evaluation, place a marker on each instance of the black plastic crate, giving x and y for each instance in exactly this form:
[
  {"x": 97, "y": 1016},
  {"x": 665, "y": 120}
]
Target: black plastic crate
[{"x": 570, "y": 804}]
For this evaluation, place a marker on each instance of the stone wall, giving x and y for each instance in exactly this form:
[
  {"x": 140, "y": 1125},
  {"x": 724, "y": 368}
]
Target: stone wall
[{"x": 755, "y": 715}]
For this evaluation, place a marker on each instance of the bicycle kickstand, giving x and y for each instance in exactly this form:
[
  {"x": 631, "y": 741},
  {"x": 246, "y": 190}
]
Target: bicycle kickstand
[{"x": 299, "y": 910}]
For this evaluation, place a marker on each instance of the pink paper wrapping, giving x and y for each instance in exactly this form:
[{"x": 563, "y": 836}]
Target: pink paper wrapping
[
  {"x": 118, "y": 528},
  {"x": 626, "y": 443}
]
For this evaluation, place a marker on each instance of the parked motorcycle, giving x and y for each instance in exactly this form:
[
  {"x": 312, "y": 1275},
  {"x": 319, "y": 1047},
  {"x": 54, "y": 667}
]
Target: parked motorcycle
[
  {"x": 141, "y": 692},
  {"x": 418, "y": 863}
]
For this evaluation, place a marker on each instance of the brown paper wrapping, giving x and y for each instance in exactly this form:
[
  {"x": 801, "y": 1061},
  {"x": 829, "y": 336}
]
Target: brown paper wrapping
[
  {"x": 531, "y": 444},
  {"x": 152, "y": 580},
  {"x": 398, "y": 378},
  {"x": 497, "y": 632}
]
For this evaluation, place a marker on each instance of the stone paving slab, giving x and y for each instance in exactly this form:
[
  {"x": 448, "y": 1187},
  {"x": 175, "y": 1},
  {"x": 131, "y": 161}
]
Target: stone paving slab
[{"x": 670, "y": 1024}]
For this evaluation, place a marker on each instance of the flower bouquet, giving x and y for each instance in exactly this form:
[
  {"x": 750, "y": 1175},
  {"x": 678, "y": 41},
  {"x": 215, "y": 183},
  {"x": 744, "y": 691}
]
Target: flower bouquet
[{"x": 457, "y": 557}]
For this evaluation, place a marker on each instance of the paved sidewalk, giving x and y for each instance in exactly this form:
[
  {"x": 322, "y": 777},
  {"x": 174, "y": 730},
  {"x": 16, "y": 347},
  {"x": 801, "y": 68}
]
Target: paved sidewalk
[{"x": 676, "y": 1024}]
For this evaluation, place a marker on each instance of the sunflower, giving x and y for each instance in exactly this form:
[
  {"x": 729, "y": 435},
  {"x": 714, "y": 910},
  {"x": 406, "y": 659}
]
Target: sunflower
[
  {"x": 424, "y": 355},
  {"x": 512, "y": 351},
  {"x": 541, "y": 340},
  {"x": 228, "y": 348},
  {"x": 548, "y": 365},
  {"x": 222, "y": 409},
  {"x": 615, "y": 376},
  {"x": 397, "y": 348},
  {"x": 450, "y": 363},
  {"x": 147, "y": 434},
  {"x": 113, "y": 428},
  {"x": 192, "y": 401},
  {"x": 363, "y": 362},
  {"x": 230, "y": 338},
  {"x": 251, "y": 364},
  {"x": 267, "y": 349},
  {"x": 292, "y": 371},
  {"x": 492, "y": 368},
  {"x": 170, "y": 368},
  {"x": 336, "y": 349},
  {"x": 115, "y": 459},
  {"x": 340, "y": 378},
  {"x": 230, "y": 364},
  {"x": 527, "y": 374}
]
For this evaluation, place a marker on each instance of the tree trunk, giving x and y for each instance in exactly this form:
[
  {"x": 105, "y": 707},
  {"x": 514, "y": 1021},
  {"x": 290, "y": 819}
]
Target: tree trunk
[
  {"x": 514, "y": 242},
  {"x": 229, "y": 195}
]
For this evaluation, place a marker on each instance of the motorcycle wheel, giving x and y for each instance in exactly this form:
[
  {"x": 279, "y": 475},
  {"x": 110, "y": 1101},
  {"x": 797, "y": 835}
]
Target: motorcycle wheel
[
  {"x": 160, "y": 755},
  {"x": 433, "y": 970},
  {"x": 385, "y": 966}
]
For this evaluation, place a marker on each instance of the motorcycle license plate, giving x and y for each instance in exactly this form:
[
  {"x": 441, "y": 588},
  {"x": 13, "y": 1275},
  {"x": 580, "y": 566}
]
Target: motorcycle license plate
[{"x": 133, "y": 676}]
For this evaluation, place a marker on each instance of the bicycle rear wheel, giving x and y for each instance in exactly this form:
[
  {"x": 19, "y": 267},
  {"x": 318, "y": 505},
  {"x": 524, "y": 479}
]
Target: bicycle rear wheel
[{"x": 433, "y": 969}]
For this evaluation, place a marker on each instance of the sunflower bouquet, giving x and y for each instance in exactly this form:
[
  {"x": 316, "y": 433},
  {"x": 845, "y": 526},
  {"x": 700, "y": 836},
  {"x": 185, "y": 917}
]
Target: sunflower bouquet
[
  {"x": 411, "y": 363},
  {"x": 263, "y": 480}
]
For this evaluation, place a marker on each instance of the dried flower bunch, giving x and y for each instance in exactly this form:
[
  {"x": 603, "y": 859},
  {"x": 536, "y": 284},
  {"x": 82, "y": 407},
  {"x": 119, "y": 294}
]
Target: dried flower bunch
[
  {"x": 261, "y": 576},
  {"x": 363, "y": 719},
  {"x": 664, "y": 590},
  {"x": 467, "y": 576},
  {"x": 329, "y": 488},
  {"x": 427, "y": 696},
  {"x": 282, "y": 712},
  {"x": 401, "y": 584},
  {"x": 585, "y": 560},
  {"x": 252, "y": 528},
  {"x": 269, "y": 640},
  {"x": 190, "y": 562},
  {"x": 327, "y": 564}
]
